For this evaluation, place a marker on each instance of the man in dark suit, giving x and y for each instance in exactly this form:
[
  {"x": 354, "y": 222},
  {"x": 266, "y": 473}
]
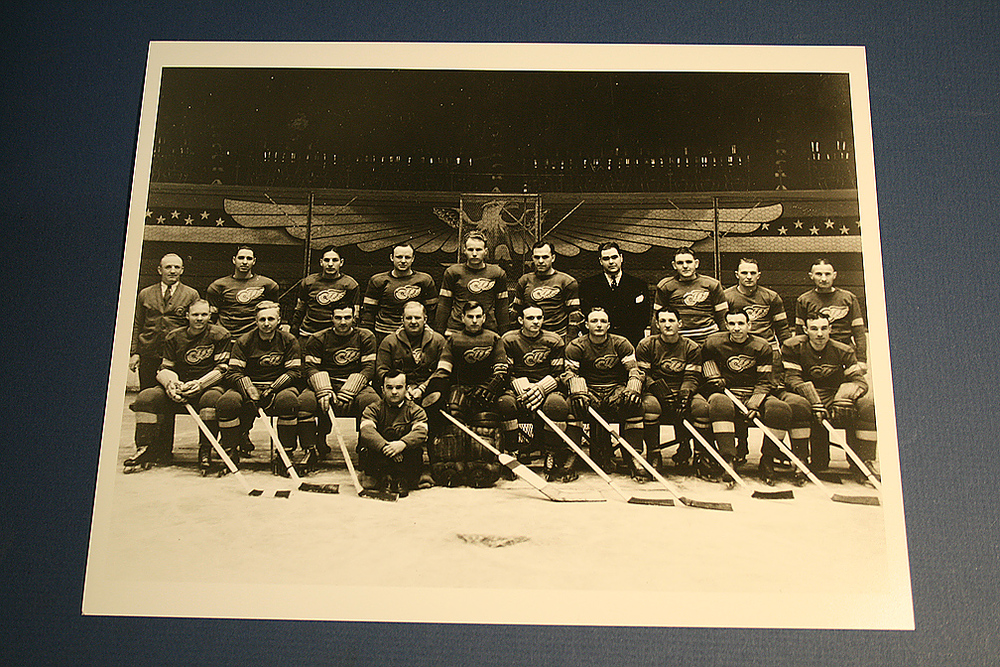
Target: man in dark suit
[{"x": 622, "y": 296}]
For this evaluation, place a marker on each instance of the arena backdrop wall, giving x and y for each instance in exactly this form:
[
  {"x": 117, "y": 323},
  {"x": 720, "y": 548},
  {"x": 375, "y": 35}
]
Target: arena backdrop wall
[{"x": 784, "y": 230}]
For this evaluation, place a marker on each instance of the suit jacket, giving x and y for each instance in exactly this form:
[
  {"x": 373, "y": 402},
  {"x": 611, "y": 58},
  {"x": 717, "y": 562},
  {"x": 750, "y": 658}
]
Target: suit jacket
[
  {"x": 154, "y": 319},
  {"x": 628, "y": 306}
]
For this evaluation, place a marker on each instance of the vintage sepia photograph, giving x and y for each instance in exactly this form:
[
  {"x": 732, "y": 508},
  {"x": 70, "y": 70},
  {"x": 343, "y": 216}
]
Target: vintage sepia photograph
[{"x": 502, "y": 333}]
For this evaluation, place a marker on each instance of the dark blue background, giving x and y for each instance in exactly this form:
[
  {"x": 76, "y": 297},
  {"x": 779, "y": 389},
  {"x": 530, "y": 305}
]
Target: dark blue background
[{"x": 72, "y": 92}]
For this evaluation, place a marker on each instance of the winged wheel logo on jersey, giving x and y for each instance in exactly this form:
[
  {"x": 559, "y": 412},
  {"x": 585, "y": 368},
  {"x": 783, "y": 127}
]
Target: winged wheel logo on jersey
[
  {"x": 694, "y": 297},
  {"x": 823, "y": 370},
  {"x": 755, "y": 312},
  {"x": 406, "y": 292},
  {"x": 346, "y": 356},
  {"x": 478, "y": 285},
  {"x": 544, "y": 292},
  {"x": 606, "y": 362},
  {"x": 270, "y": 359},
  {"x": 474, "y": 354},
  {"x": 835, "y": 312},
  {"x": 196, "y": 355},
  {"x": 739, "y": 363},
  {"x": 535, "y": 357},
  {"x": 673, "y": 365},
  {"x": 249, "y": 294},
  {"x": 329, "y": 296}
]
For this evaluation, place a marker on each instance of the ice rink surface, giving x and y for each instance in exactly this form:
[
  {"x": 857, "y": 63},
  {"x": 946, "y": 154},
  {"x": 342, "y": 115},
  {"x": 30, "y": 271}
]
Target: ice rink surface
[{"x": 171, "y": 526}]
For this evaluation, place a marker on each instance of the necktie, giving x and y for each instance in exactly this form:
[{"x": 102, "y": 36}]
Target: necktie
[{"x": 167, "y": 294}]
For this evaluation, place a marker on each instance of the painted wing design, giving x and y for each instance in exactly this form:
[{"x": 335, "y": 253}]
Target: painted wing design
[{"x": 430, "y": 222}]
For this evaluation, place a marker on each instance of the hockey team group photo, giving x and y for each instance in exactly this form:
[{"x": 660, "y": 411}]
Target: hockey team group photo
[{"x": 440, "y": 336}]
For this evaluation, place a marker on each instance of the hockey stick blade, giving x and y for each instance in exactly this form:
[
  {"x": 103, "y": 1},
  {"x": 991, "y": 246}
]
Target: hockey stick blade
[
  {"x": 387, "y": 496},
  {"x": 646, "y": 500},
  {"x": 319, "y": 488},
  {"x": 773, "y": 495},
  {"x": 687, "y": 502},
  {"x": 856, "y": 500},
  {"x": 375, "y": 494}
]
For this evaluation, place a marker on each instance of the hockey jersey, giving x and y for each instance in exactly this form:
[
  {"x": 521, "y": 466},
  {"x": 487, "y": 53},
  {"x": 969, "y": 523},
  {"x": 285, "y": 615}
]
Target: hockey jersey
[
  {"x": 828, "y": 368},
  {"x": 264, "y": 361},
  {"x": 487, "y": 285},
  {"x": 745, "y": 365},
  {"x": 699, "y": 301},
  {"x": 193, "y": 357},
  {"x": 235, "y": 300},
  {"x": 765, "y": 311},
  {"x": 534, "y": 358},
  {"x": 558, "y": 295},
  {"x": 844, "y": 311},
  {"x": 678, "y": 363},
  {"x": 473, "y": 359},
  {"x": 318, "y": 296},
  {"x": 340, "y": 356},
  {"x": 604, "y": 364},
  {"x": 382, "y": 310}
]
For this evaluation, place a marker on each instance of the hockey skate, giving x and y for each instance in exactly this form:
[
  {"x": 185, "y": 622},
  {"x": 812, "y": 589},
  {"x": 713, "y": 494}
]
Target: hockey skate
[
  {"x": 205, "y": 460},
  {"x": 766, "y": 470},
  {"x": 144, "y": 459}
]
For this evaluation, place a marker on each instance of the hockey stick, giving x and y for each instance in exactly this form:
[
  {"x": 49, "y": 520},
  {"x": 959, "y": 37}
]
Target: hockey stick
[
  {"x": 225, "y": 457},
  {"x": 545, "y": 488},
  {"x": 388, "y": 496},
  {"x": 276, "y": 443},
  {"x": 857, "y": 460},
  {"x": 596, "y": 468},
  {"x": 688, "y": 502},
  {"x": 761, "y": 495},
  {"x": 836, "y": 497}
]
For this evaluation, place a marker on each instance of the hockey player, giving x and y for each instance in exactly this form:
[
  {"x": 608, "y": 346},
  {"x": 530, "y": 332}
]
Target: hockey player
[
  {"x": 536, "y": 363},
  {"x": 391, "y": 438},
  {"x": 601, "y": 372},
  {"x": 555, "y": 292},
  {"x": 827, "y": 374},
  {"x": 737, "y": 360},
  {"x": 159, "y": 309},
  {"x": 671, "y": 365},
  {"x": 320, "y": 292},
  {"x": 339, "y": 365},
  {"x": 762, "y": 305},
  {"x": 841, "y": 307},
  {"x": 699, "y": 299},
  {"x": 470, "y": 376},
  {"x": 264, "y": 369},
  {"x": 234, "y": 298},
  {"x": 387, "y": 293},
  {"x": 620, "y": 294},
  {"x": 473, "y": 280},
  {"x": 767, "y": 319},
  {"x": 195, "y": 359}
]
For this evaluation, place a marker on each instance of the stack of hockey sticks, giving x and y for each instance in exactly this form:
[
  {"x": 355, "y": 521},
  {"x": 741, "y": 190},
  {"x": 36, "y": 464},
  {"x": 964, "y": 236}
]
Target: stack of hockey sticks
[
  {"x": 303, "y": 486},
  {"x": 281, "y": 493},
  {"x": 836, "y": 497},
  {"x": 377, "y": 494}
]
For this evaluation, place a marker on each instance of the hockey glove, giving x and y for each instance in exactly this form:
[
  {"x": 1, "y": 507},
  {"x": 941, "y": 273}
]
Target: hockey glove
[
  {"x": 684, "y": 398},
  {"x": 266, "y": 399},
  {"x": 633, "y": 393},
  {"x": 580, "y": 404},
  {"x": 174, "y": 391},
  {"x": 842, "y": 413},
  {"x": 716, "y": 385},
  {"x": 819, "y": 412}
]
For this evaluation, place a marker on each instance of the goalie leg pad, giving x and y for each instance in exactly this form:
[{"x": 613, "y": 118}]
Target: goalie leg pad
[
  {"x": 449, "y": 445},
  {"x": 449, "y": 474},
  {"x": 482, "y": 474}
]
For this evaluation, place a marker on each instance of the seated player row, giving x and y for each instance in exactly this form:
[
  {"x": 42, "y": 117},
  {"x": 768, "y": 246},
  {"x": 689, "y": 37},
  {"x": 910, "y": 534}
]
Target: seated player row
[{"x": 491, "y": 382}]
